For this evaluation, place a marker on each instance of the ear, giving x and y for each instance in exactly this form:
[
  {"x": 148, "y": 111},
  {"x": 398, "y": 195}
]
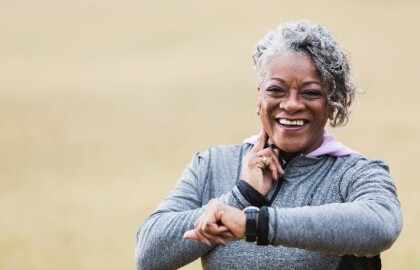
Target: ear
[{"x": 259, "y": 92}]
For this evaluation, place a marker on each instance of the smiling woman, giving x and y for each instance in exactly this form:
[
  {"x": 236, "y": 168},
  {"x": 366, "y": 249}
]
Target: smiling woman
[{"x": 308, "y": 201}]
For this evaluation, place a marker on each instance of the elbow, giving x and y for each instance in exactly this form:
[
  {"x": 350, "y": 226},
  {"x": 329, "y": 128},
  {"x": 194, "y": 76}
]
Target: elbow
[
  {"x": 142, "y": 258},
  {"x": 140, "y": 261},
  {"x": 148, "y": 255},
  {"x": 390, "y": 234},
  {"x": 139, "y": 257},
  {"x": 381, "y": 229},
  {"x": 142, "y": 254},
  {"x": 385, "y": 235},
  {"x": 392, "y": 227}
]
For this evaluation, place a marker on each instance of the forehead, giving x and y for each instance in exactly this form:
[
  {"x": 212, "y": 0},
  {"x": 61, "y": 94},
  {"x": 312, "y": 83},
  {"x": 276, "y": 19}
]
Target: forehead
[{"x": 293, "y": 65}]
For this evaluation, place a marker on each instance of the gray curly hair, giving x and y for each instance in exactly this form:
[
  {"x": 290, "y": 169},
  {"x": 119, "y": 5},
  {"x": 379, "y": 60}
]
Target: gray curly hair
[{"x": 331, "y": 62}]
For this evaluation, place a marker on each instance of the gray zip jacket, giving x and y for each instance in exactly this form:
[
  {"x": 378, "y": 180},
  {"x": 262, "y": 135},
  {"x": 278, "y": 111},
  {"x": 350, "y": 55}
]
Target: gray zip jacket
[{"x": 327, "y": 207}]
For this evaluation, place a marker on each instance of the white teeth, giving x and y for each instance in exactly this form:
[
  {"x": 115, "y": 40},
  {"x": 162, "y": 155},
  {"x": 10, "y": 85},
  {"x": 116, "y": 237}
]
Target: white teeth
[{"x": 291, "y": 123}]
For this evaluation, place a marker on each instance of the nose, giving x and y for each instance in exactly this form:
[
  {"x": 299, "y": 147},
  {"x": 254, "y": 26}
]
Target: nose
[{"x": 292, "y": 103}]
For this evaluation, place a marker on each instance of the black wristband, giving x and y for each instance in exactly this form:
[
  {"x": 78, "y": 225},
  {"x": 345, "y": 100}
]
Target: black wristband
[
  {"x": 262, "y": 228},
  {"x": 251, "y": 194}
]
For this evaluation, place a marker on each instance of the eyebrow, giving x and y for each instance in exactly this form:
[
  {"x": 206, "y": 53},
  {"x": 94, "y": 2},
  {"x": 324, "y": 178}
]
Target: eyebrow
[{"x": 305, "y": 83}]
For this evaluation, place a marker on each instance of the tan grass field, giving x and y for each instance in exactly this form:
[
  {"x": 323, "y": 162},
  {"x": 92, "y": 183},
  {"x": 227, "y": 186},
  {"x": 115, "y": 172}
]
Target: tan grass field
[{"x": 103, "y": 103}]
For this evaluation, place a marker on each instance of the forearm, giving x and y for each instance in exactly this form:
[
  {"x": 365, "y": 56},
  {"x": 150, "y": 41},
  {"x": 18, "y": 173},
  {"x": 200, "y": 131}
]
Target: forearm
[
  {"x": 162, "y": 233},
  {"x": 160, "y": 242},
  {"x": 362, "y": 228}
]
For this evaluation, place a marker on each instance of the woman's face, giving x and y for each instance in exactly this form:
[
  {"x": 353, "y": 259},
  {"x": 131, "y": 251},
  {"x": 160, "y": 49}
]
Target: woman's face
[{"x": 292, "y": 103}]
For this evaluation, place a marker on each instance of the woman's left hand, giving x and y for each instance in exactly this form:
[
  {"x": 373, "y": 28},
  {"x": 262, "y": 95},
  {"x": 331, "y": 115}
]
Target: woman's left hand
[
  {"x": 219, "y": 223},
  {"x": 261, "y": 166}
]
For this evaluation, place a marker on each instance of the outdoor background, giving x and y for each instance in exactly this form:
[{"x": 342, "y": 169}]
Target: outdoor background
[{"x": 103, "y": 103}]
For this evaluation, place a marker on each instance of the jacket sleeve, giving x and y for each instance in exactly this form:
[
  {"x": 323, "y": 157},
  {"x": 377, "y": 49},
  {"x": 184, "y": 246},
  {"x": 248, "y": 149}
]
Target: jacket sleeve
[
  {"x": 160, "y": 243},
  {"x": 367, "y": 222}
]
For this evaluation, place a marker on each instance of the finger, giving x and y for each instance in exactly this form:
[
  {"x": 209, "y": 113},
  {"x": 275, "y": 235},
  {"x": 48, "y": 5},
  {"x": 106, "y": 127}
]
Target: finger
[
  {"x": 211, "y": 234},
  {"x": 194, "y": 235},
  {"x": 199, "y": 230},
  {"x": 216, "y": 229},
  {"x": 208, "y": 230},
  {"x": 262, "y": 141},
  {"x": 222, "y": 229},
  {"x": 219, "y": 231},
  {"x": 260, "y": 159},
  {"x": 273, "y": 154},
  {"x": 220, "y": 240},
  {"x": 277, "y": 155},
  {"x": 270, "y": 167},
  {"x": 202, "y": 238},
  {"x": 273, "y": 168},
  {"x": 228, "y": 235},
  {"x": 275, "y": 164},
  {"x": 191, "y": 234}
]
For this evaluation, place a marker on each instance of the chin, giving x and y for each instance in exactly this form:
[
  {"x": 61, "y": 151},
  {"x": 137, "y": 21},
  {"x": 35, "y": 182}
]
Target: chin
[
  {"x": 289, "y": 147},
  {"x": 292, "y": 144}
]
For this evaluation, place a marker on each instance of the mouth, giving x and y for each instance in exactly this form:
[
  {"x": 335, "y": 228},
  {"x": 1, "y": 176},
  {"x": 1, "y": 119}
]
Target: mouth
[{"x": 290, "y": 124}]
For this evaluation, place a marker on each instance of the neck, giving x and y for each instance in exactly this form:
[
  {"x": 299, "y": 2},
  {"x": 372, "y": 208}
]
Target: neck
[{"x": 287, "y": 157}]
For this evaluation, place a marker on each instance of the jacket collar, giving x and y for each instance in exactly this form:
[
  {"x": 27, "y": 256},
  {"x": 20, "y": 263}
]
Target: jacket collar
[{"x": 329, "y": 146}]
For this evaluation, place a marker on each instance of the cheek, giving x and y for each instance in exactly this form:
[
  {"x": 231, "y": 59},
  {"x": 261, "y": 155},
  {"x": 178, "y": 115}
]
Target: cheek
[
  {"x": 322, "y": 111},
  {"x": 264, "y": 104},
  {"x": 266, "y": 111}
]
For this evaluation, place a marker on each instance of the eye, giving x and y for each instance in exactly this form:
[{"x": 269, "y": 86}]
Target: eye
[
  {"x": 276, "y": 91},
  {"x": 312, "y": 94}
]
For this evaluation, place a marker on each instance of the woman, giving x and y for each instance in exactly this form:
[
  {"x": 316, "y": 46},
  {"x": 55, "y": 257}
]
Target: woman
[{"x": 299, "y": 198}]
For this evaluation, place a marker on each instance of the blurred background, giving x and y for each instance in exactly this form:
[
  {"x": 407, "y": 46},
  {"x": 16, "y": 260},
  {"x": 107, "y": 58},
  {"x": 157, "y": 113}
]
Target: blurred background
[{"x": 103, "y": 103}]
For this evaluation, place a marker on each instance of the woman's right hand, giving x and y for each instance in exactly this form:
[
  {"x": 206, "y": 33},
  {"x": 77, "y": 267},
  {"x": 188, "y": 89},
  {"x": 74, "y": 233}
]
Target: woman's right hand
[
  {"x": 219, "y": 223},
  {"x": 261, "y": 165}
]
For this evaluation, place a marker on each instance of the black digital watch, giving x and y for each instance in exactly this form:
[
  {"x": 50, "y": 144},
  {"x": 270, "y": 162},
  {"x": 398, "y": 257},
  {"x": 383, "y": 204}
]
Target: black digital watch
[{"x": 251, "y": 224}]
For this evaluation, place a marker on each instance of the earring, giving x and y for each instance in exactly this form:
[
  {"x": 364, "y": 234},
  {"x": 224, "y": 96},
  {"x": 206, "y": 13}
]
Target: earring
[{"x": 257, "y": 112}]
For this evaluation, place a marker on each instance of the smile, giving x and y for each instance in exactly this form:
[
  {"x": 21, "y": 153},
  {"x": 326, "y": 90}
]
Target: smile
[
  {"x": 291, "y": 124},
  {"x": 287, "y": 122}
]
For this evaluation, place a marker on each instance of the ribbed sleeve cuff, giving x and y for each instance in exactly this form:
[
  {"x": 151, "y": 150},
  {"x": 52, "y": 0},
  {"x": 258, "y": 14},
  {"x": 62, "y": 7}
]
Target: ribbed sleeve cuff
[
  {"x": 252, "y": 195},
  {"x": 272, "y": 228}
]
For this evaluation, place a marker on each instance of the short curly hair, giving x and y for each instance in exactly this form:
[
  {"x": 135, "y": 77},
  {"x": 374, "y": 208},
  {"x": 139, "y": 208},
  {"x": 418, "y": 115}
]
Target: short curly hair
[{"x": 330, "y": 60}]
